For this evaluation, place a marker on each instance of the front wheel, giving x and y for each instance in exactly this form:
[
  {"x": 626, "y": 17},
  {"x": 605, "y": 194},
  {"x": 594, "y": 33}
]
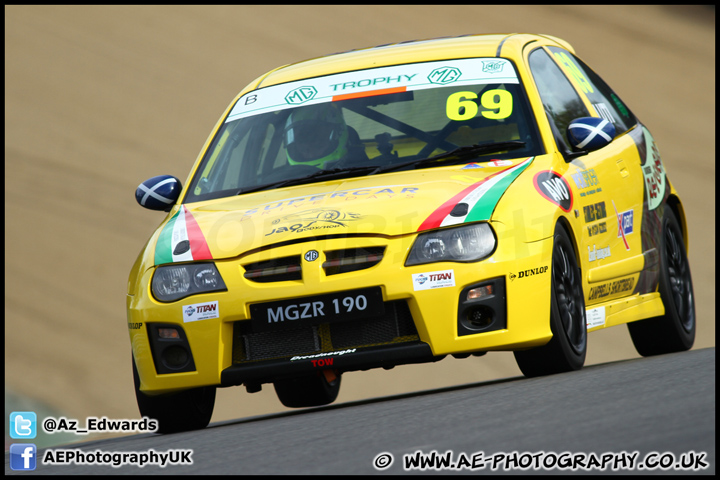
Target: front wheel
[
  {"x": 321, "y": 388},
  {"x": 675, "y": 330},
  {"x": 567, "y": 349},
  {"x": 177, "y": 412}
]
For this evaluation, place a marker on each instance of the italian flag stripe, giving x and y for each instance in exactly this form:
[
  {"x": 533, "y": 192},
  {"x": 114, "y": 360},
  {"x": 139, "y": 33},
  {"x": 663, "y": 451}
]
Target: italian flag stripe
[
  {"x": 486, "y": 204},
  {"x": 182, "y": 227},
  {"x": 481, "y": 198},
  {"x": 163, "y": 252},
  {"x": 198, "y": 245},
  {"x": 436, "y": 218}
]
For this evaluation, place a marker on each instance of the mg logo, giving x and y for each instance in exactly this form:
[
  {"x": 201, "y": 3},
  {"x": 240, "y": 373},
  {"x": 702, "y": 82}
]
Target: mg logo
[
  {"x": 312, "y": 255},
  {"x": 444, "y": 75},
  {"x": 300, "y": 95},
  {"x": 492, "y": 67}
]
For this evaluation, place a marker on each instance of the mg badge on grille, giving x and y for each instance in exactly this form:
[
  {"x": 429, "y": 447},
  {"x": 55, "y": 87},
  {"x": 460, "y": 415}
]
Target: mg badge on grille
[{"x": 312, "y": 255}]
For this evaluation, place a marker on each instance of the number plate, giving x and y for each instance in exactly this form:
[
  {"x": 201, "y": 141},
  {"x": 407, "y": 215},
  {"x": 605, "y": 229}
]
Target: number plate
[{"x": 333, "y": 307}]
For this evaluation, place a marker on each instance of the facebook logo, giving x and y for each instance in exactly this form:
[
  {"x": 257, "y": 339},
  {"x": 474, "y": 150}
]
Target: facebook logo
[
  {"x": 23, "y": 425},
  {"x": 23, "y": 456}
]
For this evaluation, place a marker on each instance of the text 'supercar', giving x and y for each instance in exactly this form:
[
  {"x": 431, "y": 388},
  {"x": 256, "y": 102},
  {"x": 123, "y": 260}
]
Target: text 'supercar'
[{"x": 397, "y": 204}]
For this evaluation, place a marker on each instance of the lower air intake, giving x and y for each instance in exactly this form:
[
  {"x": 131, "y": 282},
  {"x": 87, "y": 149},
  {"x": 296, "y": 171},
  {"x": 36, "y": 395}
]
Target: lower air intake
[{"x": 395, "y": 326}]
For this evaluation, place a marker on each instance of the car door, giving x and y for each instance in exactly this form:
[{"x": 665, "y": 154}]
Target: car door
[{"x": 606, "y": 183}]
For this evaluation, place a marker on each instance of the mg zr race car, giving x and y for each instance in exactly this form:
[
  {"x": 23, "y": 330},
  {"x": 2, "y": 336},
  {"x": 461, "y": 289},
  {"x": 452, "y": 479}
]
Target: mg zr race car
[{"x": 397, "y": 204}]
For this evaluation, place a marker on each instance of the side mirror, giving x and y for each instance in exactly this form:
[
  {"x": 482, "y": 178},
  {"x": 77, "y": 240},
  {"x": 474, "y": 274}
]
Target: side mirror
[
  {"x": 590, "y": 133},
  {"x": 158, "y": 193}
]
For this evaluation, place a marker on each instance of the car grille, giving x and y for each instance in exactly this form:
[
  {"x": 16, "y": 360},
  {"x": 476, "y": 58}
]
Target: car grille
[
  {"x": 336, "y": 262},
  {"x": 395, "y": 326},
  {"x": 275, "y": 270},
  {"x": 343, "y": 261}
]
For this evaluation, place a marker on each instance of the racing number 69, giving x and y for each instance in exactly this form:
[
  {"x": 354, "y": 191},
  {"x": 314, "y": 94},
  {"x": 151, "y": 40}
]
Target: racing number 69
[
  {"x": 461, "y": 105},
  {"x": 350, "y": 303}
]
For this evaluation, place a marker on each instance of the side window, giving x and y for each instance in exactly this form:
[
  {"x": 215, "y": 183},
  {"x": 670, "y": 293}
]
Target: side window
[
  {"x": 561, "y": 101},
  {"x": 606, "y": 102}
]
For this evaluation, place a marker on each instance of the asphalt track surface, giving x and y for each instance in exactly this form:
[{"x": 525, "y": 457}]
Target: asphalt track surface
[
  {"x": 100, "y": 98},
  {"x": 648, "y": 410}
]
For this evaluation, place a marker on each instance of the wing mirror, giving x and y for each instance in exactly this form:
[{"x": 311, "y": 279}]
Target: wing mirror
[
  {"x": 158, "y": 193},
  {"x": 590, "y": 133}
]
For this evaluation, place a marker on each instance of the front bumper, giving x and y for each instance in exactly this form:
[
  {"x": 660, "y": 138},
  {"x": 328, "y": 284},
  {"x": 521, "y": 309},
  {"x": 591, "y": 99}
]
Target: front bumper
[
  {"x": 219, "y": 346},
  {"x": 343, "y": 361}
]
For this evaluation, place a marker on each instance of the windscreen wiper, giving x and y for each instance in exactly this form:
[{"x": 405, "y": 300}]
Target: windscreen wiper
[
  {"x": 458, "y": 154},
  {"x": 330, "y": 174}
]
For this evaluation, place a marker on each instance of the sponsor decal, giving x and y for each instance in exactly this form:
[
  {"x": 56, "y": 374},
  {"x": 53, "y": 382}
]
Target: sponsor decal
[
  {"x": 200, "y": 311},
  {"x": 586, "y": 179},
  {"x": 301, "y": 95},
  {"x": 598, "y": 254},
  {"x": 444, "y": 75},
  {"x": 625, "y": 224},
  {"x": 386, "y": 192},
  {"x": 472, "y": 165},
  {"x": 320, "y": 355},
  {"x": 595, "y": 317},
  {"x": 594, "y": 212},
  {"x": 649, "y": 216},
  {"x": 554, "y": 188},
  {"x": 500, "y": 163},
  {"x": 528, "y": 273},
  {"x": 373, "y": 83},
  {"x": 480, "y": 197},
  {"x": 135, "y": 325},
  {"x": 181, "y": 240},
  {"x": 654, "y": 173},
  {"x": 619, "y": 105},
  {"x": 572, "y": 68},
  {"x": 316, "y": 219},
  {"x": 492, "y": 67},
  {"x": 322, "y": 362},
  {"x": 596, "y": 229},
  {"x": 604, "y": 112},
  {"x": 431, "y": 280},
  {"x": 382, "y": 80},
  {"x": 611, "y": 288}
]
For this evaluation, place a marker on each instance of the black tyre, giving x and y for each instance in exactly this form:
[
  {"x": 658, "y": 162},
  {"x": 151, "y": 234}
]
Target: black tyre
[
  {"x": 308, "y": 391},
  {"x": 177, "y": 412},
  {"x": 567, "y": 349},
  {"x": 674, "y": 331}
]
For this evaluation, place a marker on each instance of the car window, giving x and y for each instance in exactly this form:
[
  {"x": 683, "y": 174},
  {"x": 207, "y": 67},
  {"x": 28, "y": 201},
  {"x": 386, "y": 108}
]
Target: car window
[
  {"x": 604, "y": 99},
  {"x": 562, "y": 103},
  {"x": 376, "y": 117}
]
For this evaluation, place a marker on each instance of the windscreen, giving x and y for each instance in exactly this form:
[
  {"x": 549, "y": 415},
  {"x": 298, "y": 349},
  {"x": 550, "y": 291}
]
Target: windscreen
[{"x": 368, "y": 118}]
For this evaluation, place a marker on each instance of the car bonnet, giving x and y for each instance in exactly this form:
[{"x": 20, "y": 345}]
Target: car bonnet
[{"x": 388, "y": 205}]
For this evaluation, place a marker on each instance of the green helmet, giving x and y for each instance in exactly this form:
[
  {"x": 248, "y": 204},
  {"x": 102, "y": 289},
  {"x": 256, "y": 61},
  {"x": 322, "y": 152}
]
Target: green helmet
[{"x": 315, "y": 134}]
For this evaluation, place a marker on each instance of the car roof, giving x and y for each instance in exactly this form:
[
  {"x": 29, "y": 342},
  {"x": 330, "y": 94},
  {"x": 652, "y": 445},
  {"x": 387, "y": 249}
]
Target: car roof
[{"x": 465, "y": 46}]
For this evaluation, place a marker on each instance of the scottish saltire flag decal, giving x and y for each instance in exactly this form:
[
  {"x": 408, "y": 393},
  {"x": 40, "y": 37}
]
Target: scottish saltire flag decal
[
  {"x": 591, "y": 132},
  {"x": 181, "y": 240},
  {"x": 477, "y": 201},
  {"x": 158, "y": 193}
]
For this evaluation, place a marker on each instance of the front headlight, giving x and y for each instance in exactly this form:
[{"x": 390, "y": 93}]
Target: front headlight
[
  {"x": 173, "y": 282},
  {"x": 468, "y": 243}
]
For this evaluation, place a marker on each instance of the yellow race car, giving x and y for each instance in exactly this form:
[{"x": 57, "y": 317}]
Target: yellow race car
[{"x": 397, "y": 204}]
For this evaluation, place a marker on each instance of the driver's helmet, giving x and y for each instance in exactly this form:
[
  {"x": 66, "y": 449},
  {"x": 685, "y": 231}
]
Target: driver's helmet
[{"x": 315, "y": 134}]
